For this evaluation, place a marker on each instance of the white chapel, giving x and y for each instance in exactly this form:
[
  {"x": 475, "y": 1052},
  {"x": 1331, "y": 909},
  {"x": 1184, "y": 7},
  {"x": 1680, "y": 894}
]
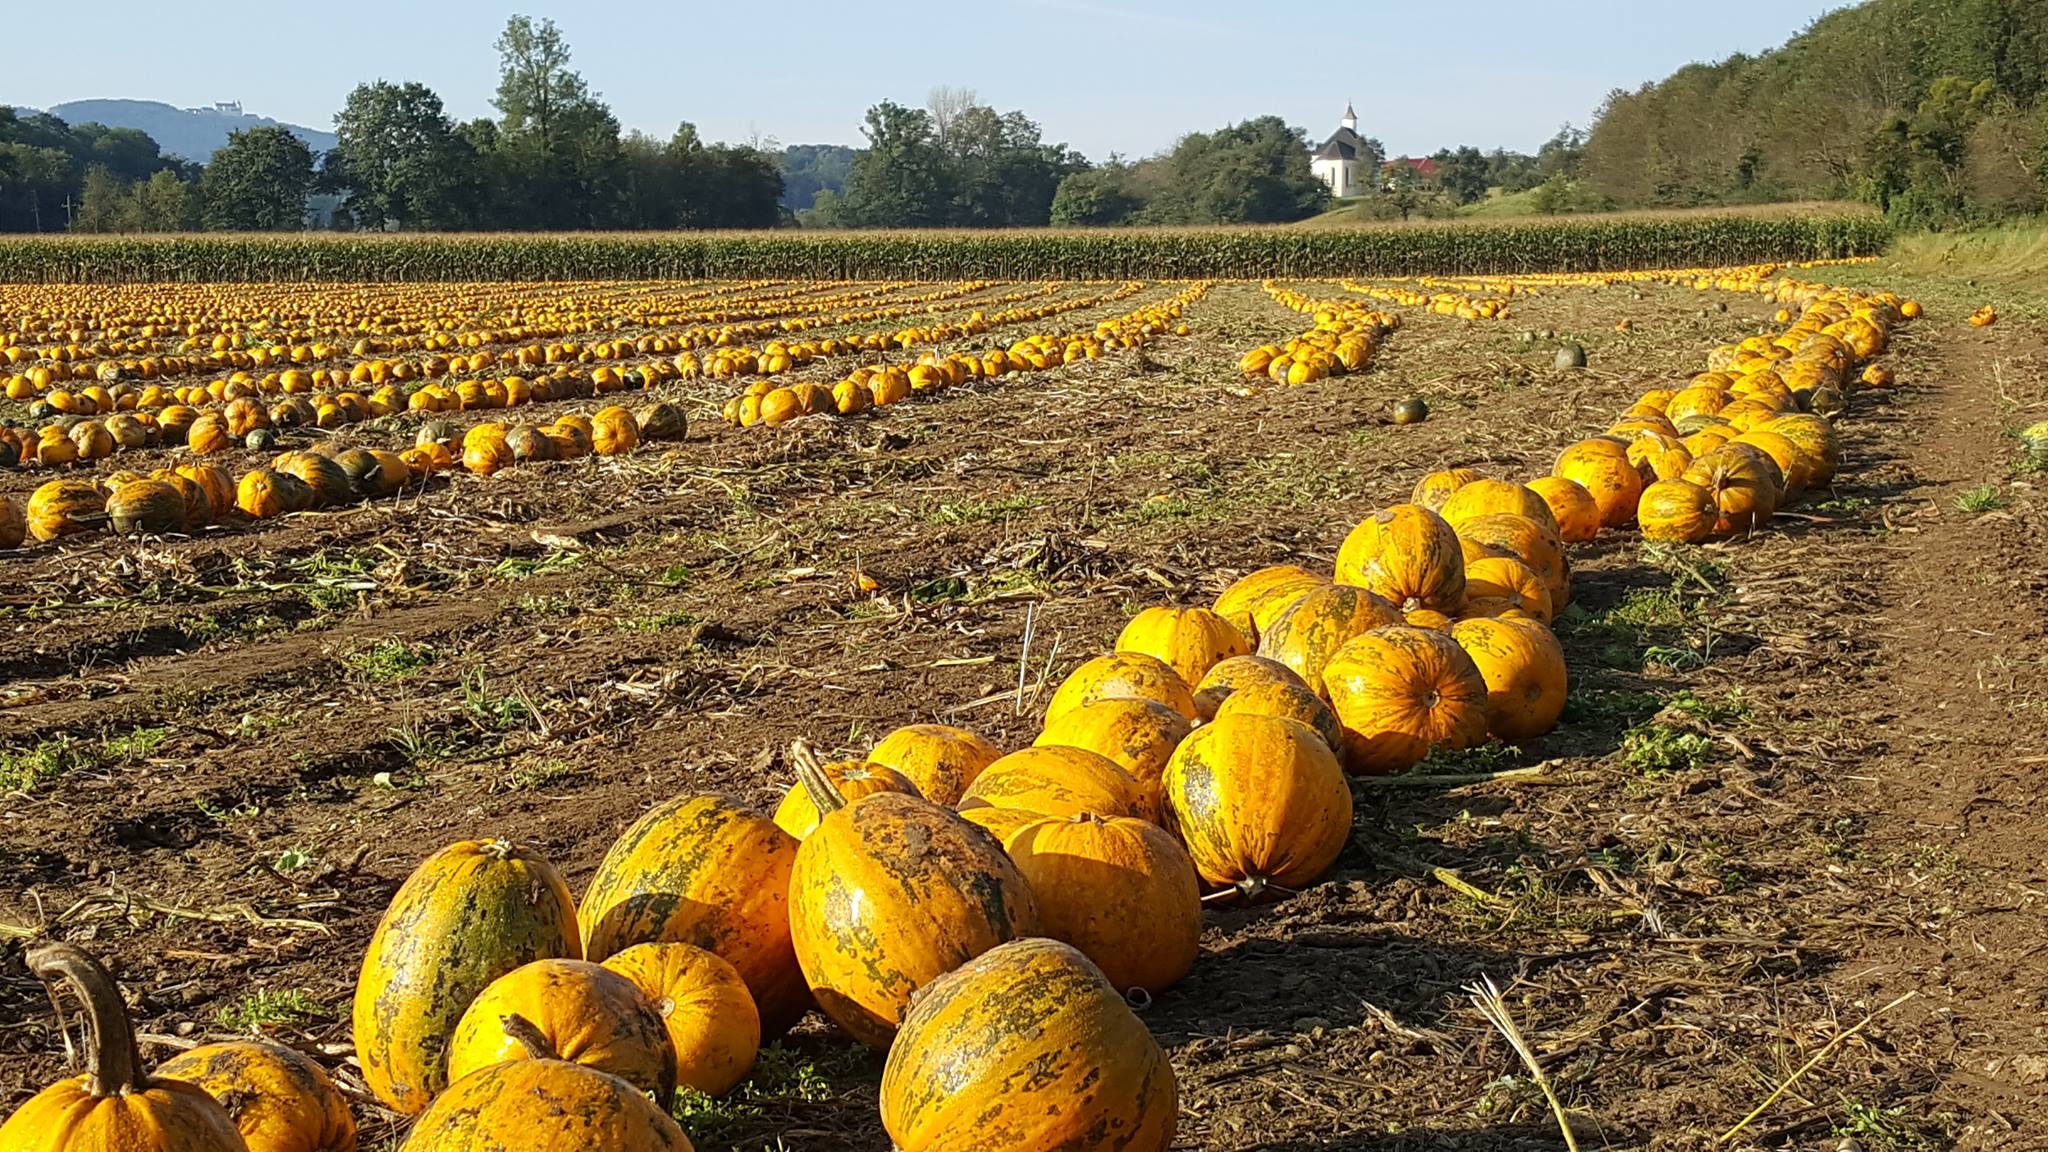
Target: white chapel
[{"x": 1340, "y": 162}]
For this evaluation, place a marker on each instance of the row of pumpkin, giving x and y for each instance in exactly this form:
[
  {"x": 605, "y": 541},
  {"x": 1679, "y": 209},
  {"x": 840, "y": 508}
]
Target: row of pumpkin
[{"x": 982, "y": 916}]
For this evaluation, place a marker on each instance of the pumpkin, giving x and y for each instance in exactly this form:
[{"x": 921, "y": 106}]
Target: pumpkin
[
  {"x": 1429, "y": 618},
  {"x": 1740, "y": 483},
  {"x": 13, "y": 526},
  {"x": 1122, "y": 675},
  {"x": 1052, "y": 780},
  {"x": 93, "y": 440},
  {"x": 1137, "y": 735},
  {"x": 1256, "y": 600},
  {"x": 1401, "y": 692},
  {"x": 127, "y": 431},
  {"x": 198, "y": 505},
  {"x": 1815, "y": 437},
  {"x": 219, "y": 485},
  {"x": 1259, "y": 801},
  {"x": 1238, "y": 671},
  {"x": 1573, "y": 508},
  {"x": 1495, "y": 584},
  {"x": 530, "y": 445},
  {"x": 1677, "y": 511},
  {"x": 662, "y": 421},
  {"x": 1027, "y": 1047},
  {"x": 542, "y": 1103},
  {"x": 889, "y": 893},
  {"x": 1658, "y": 457},
  {"x": 115, "y": 1105},
  {"x": 65, "y": 508},
  {"x": 613, "y": 432},
  {"x": 245, "y": 414},
  {"x": 702, "y": 870},
  {"x": 467, "y": 915},
  {"x": 208, "y": 434},
  {"x": 264, "y": 493},
  {"x": 1408, "y": 555},
  {"x": 1492, "y": 497},
  {"x": 1527, "y": 541},
  {"x": 54, "y": 449},
  {"x": 1434, "y": 489},
  {"x": 329, "y": 483},
  {"x": 589, "y": 1014},
  {"x": 147, "y": 506},
  {"x": 1310, "y": 632},
  {"x": 487, "y": 456},
  {"x": 1601, "y": 466},
  {"x": 712, "y": 1024},
  {"x": 1524, "y": 669},
  {"x": 279, "y": 1099},
  {"x": 1123, "y": 891},
  {"x": 1290, "y": 699},
  {"x": 1002, "y": 823},
  {"x": 1791, "y": 459},
  {"x": 938, "y": 759},
  {"x": 1187, "y": 640},
  {"x": 852, "y": 779}
]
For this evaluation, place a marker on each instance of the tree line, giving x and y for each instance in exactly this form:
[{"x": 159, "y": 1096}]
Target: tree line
[{"x": 1934, "y": 110}]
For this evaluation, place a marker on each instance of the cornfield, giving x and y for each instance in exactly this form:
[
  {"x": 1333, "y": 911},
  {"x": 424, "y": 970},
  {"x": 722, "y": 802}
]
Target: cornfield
[{"x": 1605, "y": 244}]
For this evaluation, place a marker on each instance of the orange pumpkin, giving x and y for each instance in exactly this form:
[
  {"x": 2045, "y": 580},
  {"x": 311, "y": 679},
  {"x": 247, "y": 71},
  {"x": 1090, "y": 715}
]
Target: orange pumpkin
[
  {"x": 1434, "y": 489},
  {"x": 115, "y": 1105},
  {"x": 1123, "y": 891},
  {"x": 1255, "y": 601},
  {"x": 65, "y": 508},
  {"x": 703, "y": 870},
  {"x": 703, "y": 1002},
  {"x": 1495, "y": 584},
  {"x": 1122, "y": 675},
  {"x": 209, "y": 434},
  {"x": 589, "y": 1014},
  {"x": 1310, "y": 632},
  {"x": 1289, "y": 699},
  {"x": 1058, "y": 781},
  {"x": 1002, "y": 823},
  {"x": 1408, "y": 555},
  {"x": 939, "y": 759},
  {"x": 1401, "y": 692},
  {"x": 1027, "y": 1047},
  {"x": 1187, "y": 640},
  {"x": 614, "y": 432},
  {"x": 1524, "y": 669},
  {"x": 1601, "y": 466},
  {"x": 1792, "y": 461},
  {"x": 1230, "y": 675},
  {"x": 1744, "y": 490},
  {"x": 219, "y": 485},
  {"x": 1658, "y": 457},
  {"x": 889, "y": 893},
  {"x": 13, "y": 525},
  {"x": 1259, "y": 801},
  {"x": 1815, "y": 437},
  {"x": 1527, "y": 541},
  {"x": 852, "y": 779},
  {"x": 1138, "y": 736},
  {"x": 1493, "y": 497},
  {"x": 1573, "y": 508},
  {"x": 279, "y": 1099},
  {"x": 1677, "y": 511}
]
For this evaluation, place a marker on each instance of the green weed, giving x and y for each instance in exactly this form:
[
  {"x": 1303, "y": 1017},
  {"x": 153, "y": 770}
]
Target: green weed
[
  {"x": 660, "y": 622},
  {"x": 264, "y": 1008},
  {"x": 21, "y": 771},
  {"x": 1984, "y": 498},
  {"x": 387, "y": 660},
  {"x": 491, "y": 710},
  {"x": 780, "y": 1081},
  {"x": 1654, "y": 749},
  {"x": 982, "y": 511},
  {"x": 519, "y": 568}
]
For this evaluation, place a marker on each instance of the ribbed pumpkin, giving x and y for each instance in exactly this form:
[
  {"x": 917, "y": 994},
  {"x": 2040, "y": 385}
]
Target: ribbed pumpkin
[
  {"x": 13, "y": 526},
  {"x": 891, "y": 892},
  {"x": 1790, "y": 458},
  {"x": 1291, "y": 700},
  {"x": 540, "y": 1104},
  {"x": 589, "y": 1014},
  {"x": 245, "y": 414},
  {"x": 1137, "y": 735},
  {"x": 1744, "y": 492},
  {"x": 199, "y": 508},
  {"x": 1494, "y": 497},
  {"x": 1658, "y": 457},
  {"x": 1495, "y": 584},
  {"x": 1434, "y": 489},
  {"x": 1816, "y": 438},
  {"x": 1259, "y": 801},
  {"x": 115, "y": 1105},
  {"x": 939, "y": 759},
  {"x": 219, "y": 485},
  {"x": 1677, "y": 511},
  {"x": 1027, "y": 1049},
  {"x": 1058, "y": 781},
  {"x": 209, "y": 434},
  {"x": 1187, "y": 640},
  {"x": 662, "y": 421},
  {"x": 147, "y": 506},
  {"x": 703, "y": 870},
  {"x": 1601, "y": 466},
  {"x": 1237, "y": 672},
  {"x": 1524, "y": 669},
  {"x": 1256, "y": 600},
  {"x": 1122, "y": 675},
  {"x": 852, "y": 779},
  {"x": 1573, "y": 508},
  {"x": 1408, "y": 555},
  {"x": 322, "y": 474},
  {"x": 264, "y": 493},
  {"x": 530, "y": 445},
  {"x": 1401, "y": 692},
  {"x": 65, "y": 508},
  {"x": 279, "y": 1099},
  {"x": 486, "y": 456},
  {"x": 470, "y": 913},
  {"x": 1002, "y": 823},
  {"x": 713, "y": 1026},
  {"x": 1527, "y": 541},
  {"x": 1121, "y": 890},
  {"x": 54, "y": 449},
  {"x": 1316, "y": 625},
  {"x": 613, "y": 432}
]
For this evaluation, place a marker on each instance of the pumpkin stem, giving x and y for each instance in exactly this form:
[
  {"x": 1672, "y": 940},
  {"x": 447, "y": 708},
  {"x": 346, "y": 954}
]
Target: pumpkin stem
[
  {"x": 498, "y": 849},
  {"x": 113, "y": 1065},
  {"x": 810, "y": 772},
  {"x": 529, "y": 1036}
]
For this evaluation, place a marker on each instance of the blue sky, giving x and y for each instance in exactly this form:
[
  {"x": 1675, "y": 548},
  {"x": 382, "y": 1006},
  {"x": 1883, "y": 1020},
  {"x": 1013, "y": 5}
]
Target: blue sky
[{"x": 1103, "y": 75}]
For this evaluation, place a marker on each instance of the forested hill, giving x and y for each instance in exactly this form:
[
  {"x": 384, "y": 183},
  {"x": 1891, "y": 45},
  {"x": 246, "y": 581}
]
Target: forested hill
[{"x": 1929, "y": 108}]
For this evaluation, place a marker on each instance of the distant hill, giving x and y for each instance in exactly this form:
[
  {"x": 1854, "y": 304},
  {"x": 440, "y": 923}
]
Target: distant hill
[{"x": 193, "y": 133}]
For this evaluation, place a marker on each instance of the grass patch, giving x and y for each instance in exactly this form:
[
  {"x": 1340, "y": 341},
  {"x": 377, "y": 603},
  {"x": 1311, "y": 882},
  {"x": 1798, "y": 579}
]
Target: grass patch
[
  {"x": 265, "y": 1008},
  {"x": 781, "y": 1082},
  {"x": 518, "y": 568},
  {"x": 1881, "y": 1129},
  {"x": 1652, "y": 749},
  {"x": 1490, "y": 757},
  {"x": 1984, "y": 498},
  {"x": 492, "y": 710},
  {"x": 982, "y": 511},
  {"x": 26, "y": 769},
  {"x": 533, "y": 777},
  {"x": 388, "y": 660},
  {"x": 422, "y": 743}
]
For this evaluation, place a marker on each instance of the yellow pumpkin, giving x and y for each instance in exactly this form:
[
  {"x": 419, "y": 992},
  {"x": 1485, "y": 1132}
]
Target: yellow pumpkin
[
  {"x": 1187, "y": 640},
  {"x": 1601, "y": 466},
  {"x": 1289, "y": 699},
  {"x": 1054, "y": 780},
  {"x": 1137, "y": 735},
  {"x": 1238, "y": 671},
  {"x": 1401, "y": 692},
  {"x": 1259, "y": 801},
  {"x": 589, "y": 1014},
  {"x": 1493, "y": 497},
  {"x": 1741, "y": 483},
  {"x": 1316, "y": 625},
  {"x": 852, "y": 779},
  {"x": 1815, "y": 437},
  {"x": 940, "y": 760},
  {"x": 65, "y": 508},
  {"x": 713, "y": 1026},
  {"x": 1121, "y": 890},
  {"x": 1255, "y": 601},
  {"x": 279, "y": 1099},
  {"x": 613, "y": 432},
  {"x": 1122, "y": 675},
  {"x": 1527, "y": 541},
  {"x": 1573, "y": 508},
  {"x": 1494, "y": 584},
  {"x": 1002, "y": 823},
  {"x": 1408, "y": 555},
  {"x": 1524, "y": 669},
  {"x": 1677, "y": 511},
  {"x": 1434, "y": 489}
]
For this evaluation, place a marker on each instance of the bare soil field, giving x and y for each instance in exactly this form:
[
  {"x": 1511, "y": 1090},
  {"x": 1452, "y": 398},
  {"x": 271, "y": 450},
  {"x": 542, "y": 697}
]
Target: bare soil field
[{"x": 1797, "y": 779}]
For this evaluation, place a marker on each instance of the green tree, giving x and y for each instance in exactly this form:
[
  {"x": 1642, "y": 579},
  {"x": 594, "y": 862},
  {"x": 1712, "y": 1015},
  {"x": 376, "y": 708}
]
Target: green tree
[
  {"x": 258, "y": 181},
  {"x": 1254, "y": 172},
  {"x": 166, "y": 202},
  {"x": 1003, "y": 173},
  {"x": 558, "y": 141},
  {"x": 1463, "y": 174},
  {"x": 399, "y": 158},
  {"x": 1096, "y": 197},
  {"x": 105, "y": 204},
  {"x": 902, "y": 180}
]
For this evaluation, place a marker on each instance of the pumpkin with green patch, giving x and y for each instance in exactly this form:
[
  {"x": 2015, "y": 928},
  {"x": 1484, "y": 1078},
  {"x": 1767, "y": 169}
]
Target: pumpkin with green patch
[
  {"x": 279, "y": 1099},
  {"x": 589, "y": 1014},
  {"x": 1260, "y": 803}
]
